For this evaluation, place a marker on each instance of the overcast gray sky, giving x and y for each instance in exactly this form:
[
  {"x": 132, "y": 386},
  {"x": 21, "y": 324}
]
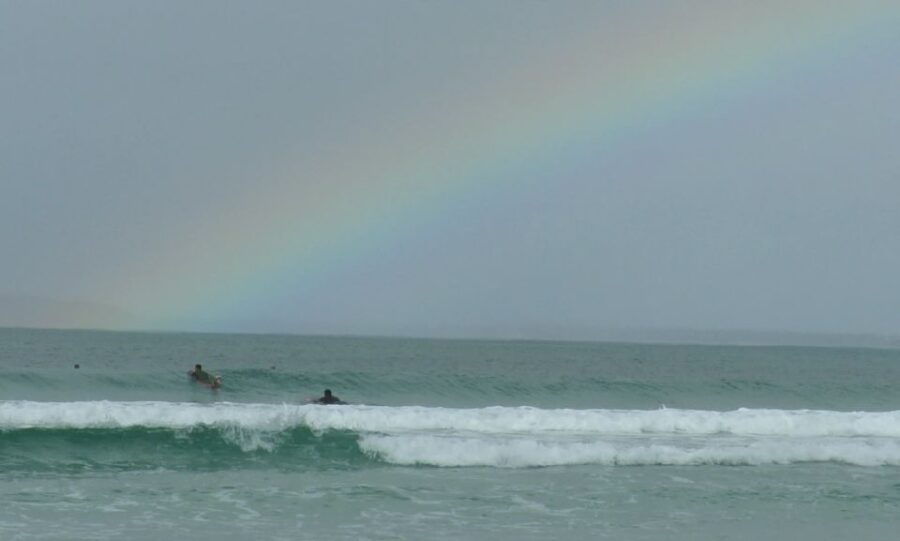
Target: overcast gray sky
[{"x": 142, "y": 144}]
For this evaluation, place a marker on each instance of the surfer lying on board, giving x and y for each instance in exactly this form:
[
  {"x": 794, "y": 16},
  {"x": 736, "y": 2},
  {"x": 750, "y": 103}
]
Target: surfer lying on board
[
  {"x": 201, "y": 376},
  {"x": 328, "y": 398}
]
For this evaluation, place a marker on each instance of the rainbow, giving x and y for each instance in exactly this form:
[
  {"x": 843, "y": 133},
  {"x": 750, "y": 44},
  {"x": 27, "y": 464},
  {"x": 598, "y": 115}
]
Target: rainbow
[{"x": 321, "y": 209}]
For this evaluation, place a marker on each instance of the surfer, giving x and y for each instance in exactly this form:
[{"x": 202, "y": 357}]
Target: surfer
[
  {"x": 201, "y": 376},
  {"x": 328, "y": 398}
]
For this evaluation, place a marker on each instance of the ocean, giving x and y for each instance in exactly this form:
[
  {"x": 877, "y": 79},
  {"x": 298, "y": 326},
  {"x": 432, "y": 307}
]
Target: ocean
[{"x": 443, "y": 439}]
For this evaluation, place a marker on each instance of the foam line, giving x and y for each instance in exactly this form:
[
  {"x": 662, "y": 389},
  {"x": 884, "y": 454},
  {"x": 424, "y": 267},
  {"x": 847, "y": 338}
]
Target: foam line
[
  {"x": 491, "y": 420},
  {"x": 636, "y": 451}
]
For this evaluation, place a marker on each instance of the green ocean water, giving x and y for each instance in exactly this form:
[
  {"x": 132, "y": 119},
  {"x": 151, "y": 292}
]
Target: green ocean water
[{"x": 443, "y": 439}]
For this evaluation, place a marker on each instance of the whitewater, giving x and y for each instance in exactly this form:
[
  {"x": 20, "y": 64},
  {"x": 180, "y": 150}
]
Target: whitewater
[
  {"x": 502, "y": 436},
  {"x": 443, "y": 439}
]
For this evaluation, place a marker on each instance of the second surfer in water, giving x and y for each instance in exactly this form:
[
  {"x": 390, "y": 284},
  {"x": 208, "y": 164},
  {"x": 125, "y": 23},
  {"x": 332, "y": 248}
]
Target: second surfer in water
[{"x": 328, "y": 398}]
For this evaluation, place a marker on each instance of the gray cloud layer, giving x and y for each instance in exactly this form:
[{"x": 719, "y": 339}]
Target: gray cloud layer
[{"x": 770, "y": 207}]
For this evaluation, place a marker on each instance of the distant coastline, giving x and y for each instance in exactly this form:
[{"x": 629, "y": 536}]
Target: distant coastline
[{"x": 44, "y": 314}]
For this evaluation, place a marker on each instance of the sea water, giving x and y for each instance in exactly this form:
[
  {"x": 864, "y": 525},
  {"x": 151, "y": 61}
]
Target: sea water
[{"x": 443, "y": 439}]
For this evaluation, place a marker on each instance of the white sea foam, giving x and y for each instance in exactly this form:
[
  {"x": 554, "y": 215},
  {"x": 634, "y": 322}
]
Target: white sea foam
[
  {"x": 636, "y": 450},
  {"x": 492, "y": 420},
  {"x": 512, "y": 437}
]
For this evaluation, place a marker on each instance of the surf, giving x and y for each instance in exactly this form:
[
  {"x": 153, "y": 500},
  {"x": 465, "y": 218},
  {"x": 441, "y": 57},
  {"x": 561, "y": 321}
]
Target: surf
[
  {"x": 489, "y": 420},
  {"x": 445, "y": 437}
]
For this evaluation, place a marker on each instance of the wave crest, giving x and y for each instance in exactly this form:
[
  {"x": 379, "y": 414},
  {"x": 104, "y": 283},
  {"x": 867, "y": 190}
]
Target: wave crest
[
  {"x": 493, "y": 436},
  {"x": 491, "y": 420}
]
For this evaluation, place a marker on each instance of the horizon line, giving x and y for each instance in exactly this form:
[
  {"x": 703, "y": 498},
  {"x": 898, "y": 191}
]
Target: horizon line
[{"x": 652, "y": 336}]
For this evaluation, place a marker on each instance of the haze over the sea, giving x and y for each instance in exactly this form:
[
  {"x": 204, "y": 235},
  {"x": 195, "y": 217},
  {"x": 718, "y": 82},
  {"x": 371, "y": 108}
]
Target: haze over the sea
[{"x": 711, "y": 171}]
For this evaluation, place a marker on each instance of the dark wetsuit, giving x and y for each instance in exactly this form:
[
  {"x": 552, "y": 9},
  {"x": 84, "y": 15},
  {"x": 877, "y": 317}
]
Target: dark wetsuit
[{"x": 329, "y": 399}]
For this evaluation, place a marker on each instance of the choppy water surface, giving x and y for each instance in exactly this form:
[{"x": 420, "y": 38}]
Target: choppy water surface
[{"x": 443, "y": 439}]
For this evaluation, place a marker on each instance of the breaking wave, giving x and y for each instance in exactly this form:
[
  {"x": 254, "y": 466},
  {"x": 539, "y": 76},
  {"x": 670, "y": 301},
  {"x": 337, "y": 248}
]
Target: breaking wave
[{"x": 415, "y": 435}]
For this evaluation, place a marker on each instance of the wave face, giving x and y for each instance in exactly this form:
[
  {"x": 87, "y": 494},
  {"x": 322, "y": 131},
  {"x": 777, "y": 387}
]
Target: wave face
[
  {"x": 129, "y": 404},
  {"x": 142, "y": 435},
  {"x": 40, "y": 366}
]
